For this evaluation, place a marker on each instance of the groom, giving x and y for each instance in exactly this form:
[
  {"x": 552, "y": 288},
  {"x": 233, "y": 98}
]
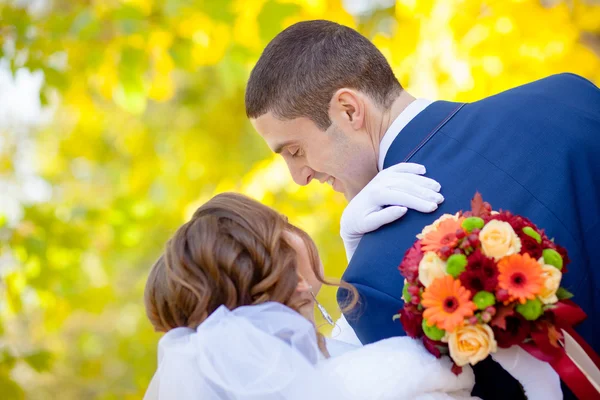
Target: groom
[{"x": 325, "y": 98}]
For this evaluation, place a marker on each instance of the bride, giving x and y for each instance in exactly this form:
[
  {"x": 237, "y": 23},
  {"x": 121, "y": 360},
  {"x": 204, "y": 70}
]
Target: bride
[{"x": 234, "y": 293}]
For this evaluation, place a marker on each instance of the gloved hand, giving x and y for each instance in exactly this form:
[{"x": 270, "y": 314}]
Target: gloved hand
[
  {"x": 385, "y": 199},
  {"x": 537, "y": 377}
]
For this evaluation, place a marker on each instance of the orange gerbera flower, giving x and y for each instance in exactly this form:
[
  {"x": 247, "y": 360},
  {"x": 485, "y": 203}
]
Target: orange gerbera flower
[
  {"x": 447, "y": 303},
  {"x": 444, "y": 235},
  {"x": 521, "y": 276}
]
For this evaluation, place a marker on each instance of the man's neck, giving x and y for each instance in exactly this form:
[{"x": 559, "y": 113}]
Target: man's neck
[{"x": 380, "y": 122}]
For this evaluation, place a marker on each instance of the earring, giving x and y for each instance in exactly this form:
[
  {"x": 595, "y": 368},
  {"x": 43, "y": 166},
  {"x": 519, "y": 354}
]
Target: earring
[{"x": 323, "y": 311}]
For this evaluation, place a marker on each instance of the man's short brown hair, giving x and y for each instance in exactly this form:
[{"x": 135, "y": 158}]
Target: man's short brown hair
[{"x": 302, "y": 67}]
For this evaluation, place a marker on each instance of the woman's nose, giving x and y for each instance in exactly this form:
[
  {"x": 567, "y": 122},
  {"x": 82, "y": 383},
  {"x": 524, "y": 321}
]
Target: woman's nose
[{"x": 303, "y": 285}]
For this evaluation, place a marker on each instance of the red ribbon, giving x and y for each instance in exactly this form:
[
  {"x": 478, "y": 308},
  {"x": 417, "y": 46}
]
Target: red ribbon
[{"x": 567, "y": 314}]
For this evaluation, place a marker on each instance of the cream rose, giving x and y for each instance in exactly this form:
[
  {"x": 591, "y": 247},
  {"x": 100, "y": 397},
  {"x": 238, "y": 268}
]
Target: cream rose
[
  {"x": 470, "y": 344},
  {"x": 498, "y": 239},
  {"x": 552, "y": 277},
  {"x": 434, "y": 226},
  {"x": 431, "y": 267}
]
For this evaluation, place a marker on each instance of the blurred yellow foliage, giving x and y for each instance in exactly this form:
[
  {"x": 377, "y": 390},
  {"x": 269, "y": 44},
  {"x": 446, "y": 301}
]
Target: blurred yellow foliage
[{"x": 149, "y": 122}]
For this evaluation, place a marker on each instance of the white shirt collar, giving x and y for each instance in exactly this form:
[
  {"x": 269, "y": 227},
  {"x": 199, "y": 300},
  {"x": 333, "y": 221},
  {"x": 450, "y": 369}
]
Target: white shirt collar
[{"x": 399, "y": 123}]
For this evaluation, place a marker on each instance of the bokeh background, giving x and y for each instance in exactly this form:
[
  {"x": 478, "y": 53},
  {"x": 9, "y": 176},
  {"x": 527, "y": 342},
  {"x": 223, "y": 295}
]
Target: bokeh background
[{"x": 119, "y": 117}]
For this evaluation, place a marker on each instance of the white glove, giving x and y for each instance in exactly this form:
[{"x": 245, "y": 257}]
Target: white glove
[
  {"x": 387, "y": 198},
  {"x": 537, "y": 377}
]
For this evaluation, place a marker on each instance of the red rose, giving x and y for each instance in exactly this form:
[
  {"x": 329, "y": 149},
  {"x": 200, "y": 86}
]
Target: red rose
[
  {"x": 517, "y": 330},
  {"x": 409, "y": 267},
  {"x": 411, "y": 321},
  {"x": 432, "y": 346}
]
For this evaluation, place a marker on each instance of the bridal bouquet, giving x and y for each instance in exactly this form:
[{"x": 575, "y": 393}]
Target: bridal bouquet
[{"x": 479, "y": 280}]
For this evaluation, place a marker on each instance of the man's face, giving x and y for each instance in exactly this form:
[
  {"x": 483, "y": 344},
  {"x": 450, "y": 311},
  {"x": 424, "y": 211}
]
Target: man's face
[{"x": 345, "y": 160}]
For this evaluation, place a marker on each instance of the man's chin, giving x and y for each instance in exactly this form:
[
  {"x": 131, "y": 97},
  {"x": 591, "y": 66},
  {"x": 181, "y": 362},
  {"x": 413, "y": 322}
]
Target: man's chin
[{"x": 339, "y": 187}]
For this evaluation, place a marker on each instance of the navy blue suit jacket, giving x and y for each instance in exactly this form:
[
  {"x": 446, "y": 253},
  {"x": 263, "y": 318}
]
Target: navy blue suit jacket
[{"x": 533, "y": 150}]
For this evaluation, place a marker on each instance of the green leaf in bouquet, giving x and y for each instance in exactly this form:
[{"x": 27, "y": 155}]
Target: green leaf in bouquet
[
  {"x": 405, "y": 295},
  {"x": 563, "y": 294}
]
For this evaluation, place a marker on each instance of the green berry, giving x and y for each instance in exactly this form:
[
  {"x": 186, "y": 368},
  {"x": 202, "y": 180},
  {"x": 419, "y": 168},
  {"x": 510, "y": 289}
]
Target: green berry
[
  {"x": 405, "y": 295},
  {"x": 472, "y": 223},
  {"x": 529, "y": 231},
  {"x": 456, "y": 264},
  {"x": 530, "y": 310},
  {"x": 484, "y": 299},
  {"x": 433, "y": 332},
  {"x": 551, "y": 257}
]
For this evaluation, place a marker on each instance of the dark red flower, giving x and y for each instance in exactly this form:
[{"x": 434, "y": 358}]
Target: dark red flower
[
  {"x": 530, "y": 246},
  {"x": 481, "y": 273},
  {"x": 433, "y": 347},
  {"x": 517, "y": 330},
  {"x": 409, "y": 267},
  {"x": 516, "y": 221},
  {"x": 411, "y": 321}
]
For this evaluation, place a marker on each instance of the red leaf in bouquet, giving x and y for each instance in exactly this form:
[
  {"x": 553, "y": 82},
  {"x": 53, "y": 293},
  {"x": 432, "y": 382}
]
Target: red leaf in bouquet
[
  {"x": 411, "y": 321},
  {"x": 546, "y": 338},
  {"x": 517, "y": 330},
  {"x": 555, "y": 336},
  {"x": 480, "y": 208},
  {"x": 409, "y": 267},
  {"x": 499, "y": 319},
  {"x": 433, "y": 347}
]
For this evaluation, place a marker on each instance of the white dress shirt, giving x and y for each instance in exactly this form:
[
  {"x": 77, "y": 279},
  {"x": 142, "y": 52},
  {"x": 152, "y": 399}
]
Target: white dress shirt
[{"x": 343, "y": 331}]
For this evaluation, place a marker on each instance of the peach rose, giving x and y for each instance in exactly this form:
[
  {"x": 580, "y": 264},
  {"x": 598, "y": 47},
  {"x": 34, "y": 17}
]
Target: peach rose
[
  {"x": 434, "y": 226},
  {"x": 498, "y": 239},
  {"x": 552, "y": 277},
  {"x": 470, "y": 344},
  {"x": 431, "y": 267}
]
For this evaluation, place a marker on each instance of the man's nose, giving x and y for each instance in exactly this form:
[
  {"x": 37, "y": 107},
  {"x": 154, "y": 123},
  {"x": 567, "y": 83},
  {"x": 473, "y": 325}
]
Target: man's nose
[{"x": 303, "y": 175}]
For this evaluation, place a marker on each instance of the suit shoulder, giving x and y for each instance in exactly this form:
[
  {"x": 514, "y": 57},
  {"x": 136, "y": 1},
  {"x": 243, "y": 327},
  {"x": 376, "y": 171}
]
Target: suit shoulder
[
  {"x": 569, "y": 80},
  {"x": 566, "y": 89}
]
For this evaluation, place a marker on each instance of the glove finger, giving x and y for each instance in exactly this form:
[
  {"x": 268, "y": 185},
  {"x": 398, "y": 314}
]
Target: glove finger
[
  {"x": 398, "y": 197},
  {"x": 413, "y": 189},
  {"x": 377, "y": 219},
  {"x": 410, "y": 168},
  {"x": 419, "y": 180}
]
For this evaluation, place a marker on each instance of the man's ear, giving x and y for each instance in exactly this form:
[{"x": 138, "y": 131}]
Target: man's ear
[{"x": 347, "y": 107}]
